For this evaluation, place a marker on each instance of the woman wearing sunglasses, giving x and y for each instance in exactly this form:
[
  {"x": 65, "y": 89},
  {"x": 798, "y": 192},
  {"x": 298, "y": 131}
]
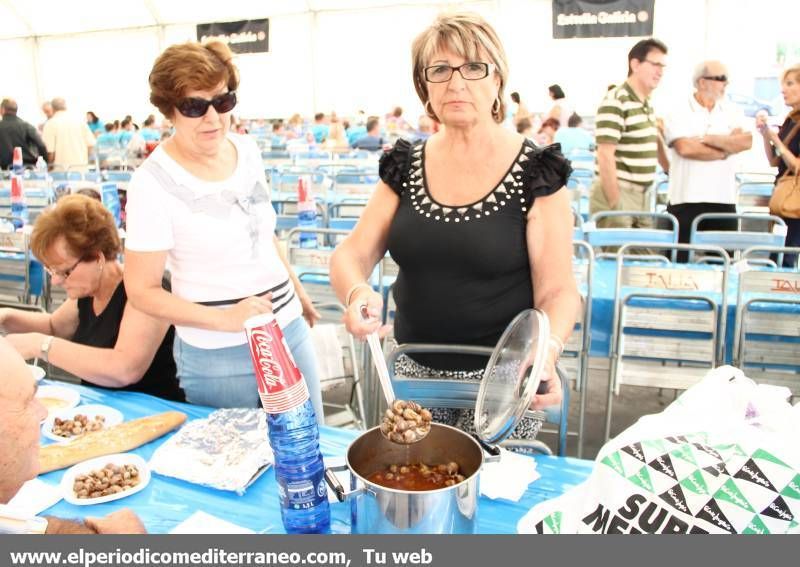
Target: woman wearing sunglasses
[
  {"x": 475, "y": 217},
  {"x": 199, "y": 204},
  {"x": 95, "y": 334}
]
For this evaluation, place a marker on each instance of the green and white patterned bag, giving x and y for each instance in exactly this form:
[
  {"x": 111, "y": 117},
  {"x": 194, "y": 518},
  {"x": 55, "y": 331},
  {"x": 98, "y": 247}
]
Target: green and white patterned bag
[{"x": 722, "y": 458}]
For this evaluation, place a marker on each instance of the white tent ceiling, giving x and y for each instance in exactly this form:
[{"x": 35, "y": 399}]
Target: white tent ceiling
[
  {"x": 37, "y": 18},
  {"x": 343, "y": 55}
]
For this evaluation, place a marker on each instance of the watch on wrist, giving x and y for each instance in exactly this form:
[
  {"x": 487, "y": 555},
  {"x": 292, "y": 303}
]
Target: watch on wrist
[{"x": 44, "y": 350}]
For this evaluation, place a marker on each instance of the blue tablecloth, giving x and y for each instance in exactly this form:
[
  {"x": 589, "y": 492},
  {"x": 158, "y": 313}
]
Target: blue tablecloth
[{"x": 166, "y": 502}]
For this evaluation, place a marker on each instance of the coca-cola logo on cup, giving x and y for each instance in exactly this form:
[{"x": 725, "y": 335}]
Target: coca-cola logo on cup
[{"x": 263, "y": 349}]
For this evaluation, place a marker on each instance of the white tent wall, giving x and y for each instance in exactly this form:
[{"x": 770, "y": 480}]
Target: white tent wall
[{"x": 345, "y": 55}]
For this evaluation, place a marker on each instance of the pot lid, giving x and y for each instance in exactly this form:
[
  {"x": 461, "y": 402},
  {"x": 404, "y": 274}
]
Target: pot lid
[{"x": 512, "y": 376}]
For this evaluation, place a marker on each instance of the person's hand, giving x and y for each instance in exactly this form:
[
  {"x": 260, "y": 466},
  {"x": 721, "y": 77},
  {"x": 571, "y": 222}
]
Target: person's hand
[
  {"x": 28, "y": 345},
  {"x": 233, "y": 319},
  {"x": 761, "y": 122},
  {"x": 354, "y": 319},
  {"x": 614, "y": 200},
  {"x": 310, "y": 313},
  {"x": 553, "y": 393},
  {"x": 120, "y": 522}
]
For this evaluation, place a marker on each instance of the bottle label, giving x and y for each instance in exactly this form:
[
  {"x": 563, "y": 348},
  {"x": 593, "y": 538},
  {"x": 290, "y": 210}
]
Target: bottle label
[
  {"x": 304, "y": 493},
  {"x": 280, "y": 384}
]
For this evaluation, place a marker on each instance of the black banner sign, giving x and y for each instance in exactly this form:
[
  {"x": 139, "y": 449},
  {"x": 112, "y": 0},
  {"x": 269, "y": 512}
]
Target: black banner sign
[
  {"x": 602, "y": 18},
  {"x": 246, "y": 36}
]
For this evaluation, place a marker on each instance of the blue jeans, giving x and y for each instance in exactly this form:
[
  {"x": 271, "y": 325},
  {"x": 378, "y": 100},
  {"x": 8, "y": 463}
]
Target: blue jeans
[{"x": 223, "y": 377}]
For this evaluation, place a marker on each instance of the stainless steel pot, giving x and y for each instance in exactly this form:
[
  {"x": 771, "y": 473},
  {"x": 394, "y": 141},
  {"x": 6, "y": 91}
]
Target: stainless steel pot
[
  {"x": 509, "y": 383},
  {"x": 375, "y": 509}
]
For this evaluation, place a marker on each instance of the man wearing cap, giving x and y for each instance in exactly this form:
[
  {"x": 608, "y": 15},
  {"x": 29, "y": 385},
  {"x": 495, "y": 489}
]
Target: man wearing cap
[
  {"x": 20, "y": 415},
  {"x": 705, "y": 133},
  {"x": 16, "y": 132}
]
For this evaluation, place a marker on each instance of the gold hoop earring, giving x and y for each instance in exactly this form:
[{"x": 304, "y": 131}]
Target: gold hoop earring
[{"x": 496, "y": 103}]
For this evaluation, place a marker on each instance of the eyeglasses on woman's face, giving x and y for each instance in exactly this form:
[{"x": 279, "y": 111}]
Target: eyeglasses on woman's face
[
  {"x": 195, "y": 107},
  {"x": 471, "y": 71},
  {"x": 64, "y": 274}
]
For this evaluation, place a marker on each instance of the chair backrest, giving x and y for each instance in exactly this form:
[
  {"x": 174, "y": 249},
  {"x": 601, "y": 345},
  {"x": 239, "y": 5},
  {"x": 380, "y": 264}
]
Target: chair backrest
[
  {"x": 354, "y": 183},
  {"x": 754, "y": 196},
  {"x": 462, "y": 394},
  {"x": 773, "y": 233},
  {"x": 664, "y": 231},
  {"x": 669, "y": 320},
  {"x": 15, "y": 260},
  {"x": 768, "y": 320}
]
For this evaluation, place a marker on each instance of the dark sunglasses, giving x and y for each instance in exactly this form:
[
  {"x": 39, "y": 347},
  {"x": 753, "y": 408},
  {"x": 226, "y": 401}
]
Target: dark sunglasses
[
  {"x": 192, "y": 107},
  {"x": 718, "y": 78}
]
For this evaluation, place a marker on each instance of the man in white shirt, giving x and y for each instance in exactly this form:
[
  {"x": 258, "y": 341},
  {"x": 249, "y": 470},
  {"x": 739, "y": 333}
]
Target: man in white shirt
[
  {"x": 704, "y": 133},
  {"x": 67, "y": 137},
  {"x": 20, "y": 415}
]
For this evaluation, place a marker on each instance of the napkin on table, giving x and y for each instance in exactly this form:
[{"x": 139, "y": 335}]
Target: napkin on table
[
  {"x": 35, "y": 497},
  {"x": 202, "y": 523},
  {"x": 509, "y": 477}
]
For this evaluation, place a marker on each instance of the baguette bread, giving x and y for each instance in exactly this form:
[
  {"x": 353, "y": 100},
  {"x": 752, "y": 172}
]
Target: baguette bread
[{"x": 117, "y": 439}]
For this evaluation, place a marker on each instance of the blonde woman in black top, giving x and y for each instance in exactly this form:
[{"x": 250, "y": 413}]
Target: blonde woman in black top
[{"x": 475, "y": 217}]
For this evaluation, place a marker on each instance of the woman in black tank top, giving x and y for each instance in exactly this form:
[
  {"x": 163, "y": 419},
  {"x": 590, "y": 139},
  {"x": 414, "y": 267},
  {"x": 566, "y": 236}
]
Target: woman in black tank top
[{"x": 94, "y": 335}]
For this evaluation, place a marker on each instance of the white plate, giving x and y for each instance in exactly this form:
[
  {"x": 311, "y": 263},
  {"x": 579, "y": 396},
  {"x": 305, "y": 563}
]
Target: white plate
[
  {"x": 37, "y": 371},
  {"x": 57, "y": 398},
  {"x": 96, "y": 464},
  {"x": 113, "y": 417}
]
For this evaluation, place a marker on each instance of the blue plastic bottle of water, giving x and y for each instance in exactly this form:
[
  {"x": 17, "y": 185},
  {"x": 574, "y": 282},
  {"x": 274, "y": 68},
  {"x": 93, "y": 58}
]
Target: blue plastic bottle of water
[
  {"x": 293, "y": 433},
  {"x": 306, "y": 213}
]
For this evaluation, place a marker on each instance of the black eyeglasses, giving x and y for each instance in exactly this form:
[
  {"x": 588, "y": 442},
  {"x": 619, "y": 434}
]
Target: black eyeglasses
[
  {"x": 471, "y": 71},
  {"x": 65, "y": 273},
  {"x": 718, "y": 78},
  {"x": 193, "y": 107}
]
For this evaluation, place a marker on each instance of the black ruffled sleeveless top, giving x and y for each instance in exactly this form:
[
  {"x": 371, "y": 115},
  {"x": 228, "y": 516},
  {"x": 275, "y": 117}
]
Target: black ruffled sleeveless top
[{"x": 464, "y": 271}]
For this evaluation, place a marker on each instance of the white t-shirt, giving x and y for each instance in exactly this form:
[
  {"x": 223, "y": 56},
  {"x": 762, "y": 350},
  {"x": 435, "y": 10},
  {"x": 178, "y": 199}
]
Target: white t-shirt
[
  {"x": 218, "y": 236},
  {"x": 695, "y": 181}
]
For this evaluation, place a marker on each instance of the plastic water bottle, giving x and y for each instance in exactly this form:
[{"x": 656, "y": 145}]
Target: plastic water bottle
[
  {"x": 41, "y": 173},
  {"x": 293, "y": 433},
  {"x": 19, "y": 209},
  {"x": 306, "y": 213}
]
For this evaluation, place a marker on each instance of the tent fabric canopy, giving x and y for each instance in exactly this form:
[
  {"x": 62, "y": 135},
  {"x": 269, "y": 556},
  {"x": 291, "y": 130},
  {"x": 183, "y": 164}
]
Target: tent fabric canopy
[{"x": 38, "y": 18}]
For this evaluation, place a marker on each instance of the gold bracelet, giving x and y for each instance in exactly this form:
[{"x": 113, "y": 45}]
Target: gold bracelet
[{"x": 349, "y": 297}]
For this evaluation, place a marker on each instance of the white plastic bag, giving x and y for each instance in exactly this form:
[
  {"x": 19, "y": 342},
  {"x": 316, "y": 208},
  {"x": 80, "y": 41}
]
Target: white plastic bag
[{"x": 722, "y": 458}]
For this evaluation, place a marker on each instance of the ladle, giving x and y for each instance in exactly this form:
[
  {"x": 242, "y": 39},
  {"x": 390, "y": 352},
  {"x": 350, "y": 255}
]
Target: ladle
[{"x": 400, "y": 423}]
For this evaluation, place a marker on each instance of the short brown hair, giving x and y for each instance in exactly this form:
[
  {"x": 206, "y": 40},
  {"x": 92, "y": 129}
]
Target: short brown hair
[
  {"x": 466, "y": 34},
  {"x": 190, "y": 66},
  {"x": 86, "y": 225},
  {"x": 642, "y": 49}
]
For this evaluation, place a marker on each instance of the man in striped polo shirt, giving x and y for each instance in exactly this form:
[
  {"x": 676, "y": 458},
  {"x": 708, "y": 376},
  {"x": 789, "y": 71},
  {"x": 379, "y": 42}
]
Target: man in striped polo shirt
[{"x": 628, "y": 141}]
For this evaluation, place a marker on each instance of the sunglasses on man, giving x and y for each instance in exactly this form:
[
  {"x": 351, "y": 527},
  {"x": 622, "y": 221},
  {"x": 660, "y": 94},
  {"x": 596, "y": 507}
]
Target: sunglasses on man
[
  {"x": 717, "y": 78},
  {"x": 194, "y": 107}
]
